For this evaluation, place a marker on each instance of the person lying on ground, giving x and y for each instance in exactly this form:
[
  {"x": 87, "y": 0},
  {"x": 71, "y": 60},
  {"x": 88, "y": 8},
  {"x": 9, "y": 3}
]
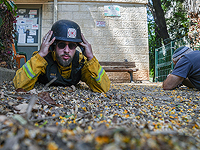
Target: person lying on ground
[
  {"x": 186, "y": 71},
  {"x": 59, "y": 58}
]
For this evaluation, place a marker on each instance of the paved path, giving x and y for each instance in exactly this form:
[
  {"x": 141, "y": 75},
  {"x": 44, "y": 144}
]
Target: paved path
[{"x": 6, "y": 74}]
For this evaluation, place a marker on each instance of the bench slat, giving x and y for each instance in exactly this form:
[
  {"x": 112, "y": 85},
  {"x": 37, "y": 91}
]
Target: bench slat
[
  {"x": 121, "y": 64},
  {"x": 117, "y": 69}
]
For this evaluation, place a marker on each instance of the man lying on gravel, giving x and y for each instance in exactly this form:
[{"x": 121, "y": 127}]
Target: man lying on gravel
[
  {"x": 58, "y": 59},
  {"x": 186, "y": 71}
]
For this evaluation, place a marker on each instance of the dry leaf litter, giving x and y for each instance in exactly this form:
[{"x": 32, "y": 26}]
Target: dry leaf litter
[{"x": 126, "y": 117}]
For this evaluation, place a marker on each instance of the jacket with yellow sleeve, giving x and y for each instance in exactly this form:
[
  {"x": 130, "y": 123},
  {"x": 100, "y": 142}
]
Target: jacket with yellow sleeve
[{"x": 90, "y": 72}]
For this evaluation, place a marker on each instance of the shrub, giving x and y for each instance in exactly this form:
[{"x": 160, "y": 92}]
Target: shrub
[{"x": 7, "y": 20}]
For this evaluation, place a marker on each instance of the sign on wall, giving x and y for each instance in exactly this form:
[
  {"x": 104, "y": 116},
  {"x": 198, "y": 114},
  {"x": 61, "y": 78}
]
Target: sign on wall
[
  {"x": 27, "y": 25},
  {"x": 112, "y": 10},
  {"x": 100, "y": 23}
]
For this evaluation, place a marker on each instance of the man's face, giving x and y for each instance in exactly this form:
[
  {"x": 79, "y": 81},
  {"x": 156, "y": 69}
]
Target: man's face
[{"x": 65, "y": 52}]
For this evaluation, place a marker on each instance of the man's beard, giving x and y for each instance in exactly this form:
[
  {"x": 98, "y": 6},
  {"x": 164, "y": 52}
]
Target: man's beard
[{"x": 62, "y": 62}]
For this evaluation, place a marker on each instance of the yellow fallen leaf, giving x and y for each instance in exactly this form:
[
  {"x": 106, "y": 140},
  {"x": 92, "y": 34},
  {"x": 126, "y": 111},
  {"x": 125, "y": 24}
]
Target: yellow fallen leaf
[{"x": 52, "y": 146}]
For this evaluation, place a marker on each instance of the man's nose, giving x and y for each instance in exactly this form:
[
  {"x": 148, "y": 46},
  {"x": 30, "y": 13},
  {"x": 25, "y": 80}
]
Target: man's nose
[{"x": 66, "y": 49}]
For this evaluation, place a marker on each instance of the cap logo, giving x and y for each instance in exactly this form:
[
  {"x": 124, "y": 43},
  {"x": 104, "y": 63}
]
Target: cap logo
[{"x": 71, "y": 33}]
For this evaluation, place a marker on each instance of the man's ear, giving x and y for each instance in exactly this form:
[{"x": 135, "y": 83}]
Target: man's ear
[{"x": 174, "y": 62}]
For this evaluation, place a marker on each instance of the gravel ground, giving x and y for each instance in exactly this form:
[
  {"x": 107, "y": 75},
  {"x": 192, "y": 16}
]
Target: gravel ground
[{"x": 128, "y": 116}]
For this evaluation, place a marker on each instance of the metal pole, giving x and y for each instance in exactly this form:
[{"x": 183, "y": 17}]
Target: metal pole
[
  {"x": 55, "y": 11},
  {"x": 156, "y": 65},
  {"x": 172, "y": 51}
]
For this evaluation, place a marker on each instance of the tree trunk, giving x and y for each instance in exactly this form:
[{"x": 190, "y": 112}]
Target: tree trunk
[{"x": 160, "y": 21}]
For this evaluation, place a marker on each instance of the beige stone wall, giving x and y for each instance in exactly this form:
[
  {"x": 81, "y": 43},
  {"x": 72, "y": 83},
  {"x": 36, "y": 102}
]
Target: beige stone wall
[
  {"x": 109, "y": 1},
  {"x": 124, "y": 37}
]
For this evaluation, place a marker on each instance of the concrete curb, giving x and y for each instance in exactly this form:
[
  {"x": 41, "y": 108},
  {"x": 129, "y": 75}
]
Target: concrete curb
[{"x": 6, "y": 74}]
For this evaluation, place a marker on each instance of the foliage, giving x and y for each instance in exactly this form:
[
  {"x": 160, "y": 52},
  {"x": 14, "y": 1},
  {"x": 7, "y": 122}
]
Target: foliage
[
  {"x": 177, "y": 22},
  {"x": 154, "y": 42},
  {"x": 7, "y": 18},
  {"x": 194, "y": 31}
]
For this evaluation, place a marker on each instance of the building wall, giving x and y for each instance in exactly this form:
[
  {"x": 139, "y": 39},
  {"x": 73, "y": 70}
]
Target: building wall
[{"x": 123, "y": 37}]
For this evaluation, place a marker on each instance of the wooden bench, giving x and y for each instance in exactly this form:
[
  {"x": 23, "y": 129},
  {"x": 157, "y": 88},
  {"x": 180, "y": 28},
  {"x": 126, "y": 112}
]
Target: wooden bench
[{"x": 120, "y": 67}]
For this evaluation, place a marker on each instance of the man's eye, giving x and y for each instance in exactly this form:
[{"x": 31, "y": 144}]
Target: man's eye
[
  {"x": 72, "y": 46},
  {"x": 61, "y": 45}
]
